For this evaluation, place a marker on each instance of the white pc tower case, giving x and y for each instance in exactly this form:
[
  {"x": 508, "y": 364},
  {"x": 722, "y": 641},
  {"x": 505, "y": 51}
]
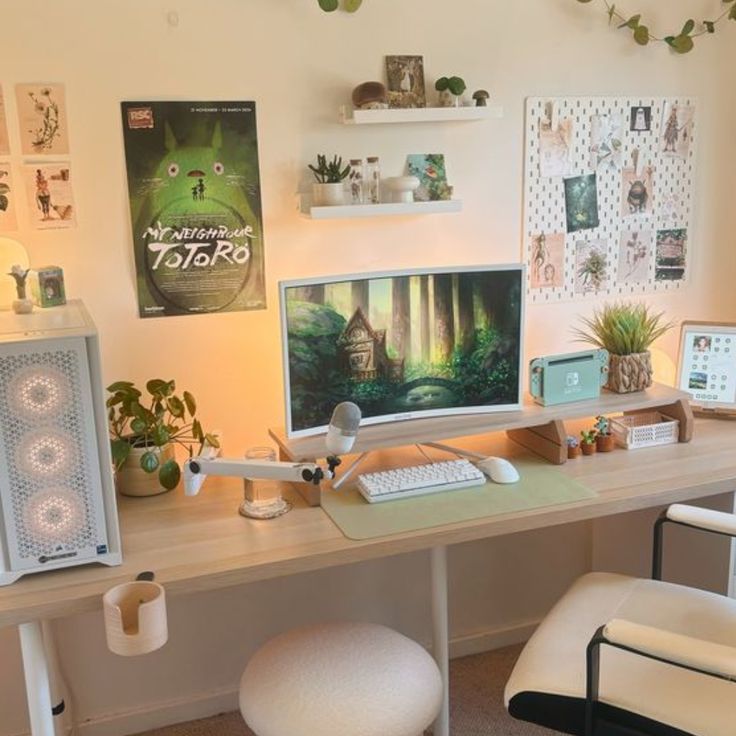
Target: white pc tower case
[{"x": 57, "y": 495}]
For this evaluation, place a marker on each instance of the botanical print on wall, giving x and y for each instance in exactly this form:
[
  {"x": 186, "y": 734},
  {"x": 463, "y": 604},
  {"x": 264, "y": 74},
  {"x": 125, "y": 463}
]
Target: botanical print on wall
[
  {"x": 637, "y": 191},
  {"x": 581, "y": 203},
  {"x": 4, "y": 140},
  {"x": 405, "y": 81},
  {"x": 591, "y": 266},
  {"x": 42, "y": 119},
  {"x": 635, "y": 256},
  {"x": 555, "y": 146},
  {"x": 8, "y": 220},
  {"x": 671, "y": 255},
  {"x": 607, "y": 133},
  {"x": 50, "y": 196},
  {"x": 677, "y": 130},
  {"x": 548, "y": 261}
]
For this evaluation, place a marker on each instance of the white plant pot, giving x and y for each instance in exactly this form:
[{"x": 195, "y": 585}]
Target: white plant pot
[
  {"x": 447, "y": 99},
  {"x": 22, "y": 306},
  {"x": 328, "y": 195},
  {"x": 132, "y": 480}
]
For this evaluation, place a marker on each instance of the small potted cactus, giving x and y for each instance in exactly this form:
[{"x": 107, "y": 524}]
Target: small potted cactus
[
  {"x": 587, "y": 441},
  {"x": 329, "y": 190},
  {"x": 451, "y": 91},
  {"x": 604, "y": 440},
  {"x": 573, "y": 447}
]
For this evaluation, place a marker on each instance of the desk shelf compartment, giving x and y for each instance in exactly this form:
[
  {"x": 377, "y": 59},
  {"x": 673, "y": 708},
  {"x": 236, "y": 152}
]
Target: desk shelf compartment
[
  {"x": 349, "y": 116},
  {"x": 540, "y": 429}
]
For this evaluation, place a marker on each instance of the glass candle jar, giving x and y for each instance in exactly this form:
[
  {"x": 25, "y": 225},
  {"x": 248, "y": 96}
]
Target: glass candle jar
[
  {"x": 262, "y": 498},
  {"x": 373, "y": 180},
  {"x": 356, "y": 181}
]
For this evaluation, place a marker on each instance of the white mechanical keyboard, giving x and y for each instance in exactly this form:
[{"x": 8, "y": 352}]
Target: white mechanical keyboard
[{"x": 419, "y": 480}]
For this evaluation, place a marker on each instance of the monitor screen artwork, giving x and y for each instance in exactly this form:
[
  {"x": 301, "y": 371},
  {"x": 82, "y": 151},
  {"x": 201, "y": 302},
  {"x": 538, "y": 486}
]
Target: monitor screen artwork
[{"x": 402, "y": 345}]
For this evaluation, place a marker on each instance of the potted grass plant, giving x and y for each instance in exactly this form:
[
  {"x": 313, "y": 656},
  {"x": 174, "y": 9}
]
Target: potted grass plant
[
  {"x": 626, "y": 330},
  {"x": 144, "y": 433}
]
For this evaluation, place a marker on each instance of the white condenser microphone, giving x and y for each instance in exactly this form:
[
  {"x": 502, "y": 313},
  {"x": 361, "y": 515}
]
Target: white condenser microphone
[{"x": 343, "y": 428}]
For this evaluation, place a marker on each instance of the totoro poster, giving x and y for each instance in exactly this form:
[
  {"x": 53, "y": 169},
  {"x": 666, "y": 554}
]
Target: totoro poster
[{"x": 195, "y": 206}]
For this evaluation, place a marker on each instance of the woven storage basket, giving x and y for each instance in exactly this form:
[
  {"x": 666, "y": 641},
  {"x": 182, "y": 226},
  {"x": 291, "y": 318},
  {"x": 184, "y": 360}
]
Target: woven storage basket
[{"x": 648, "y": 429}]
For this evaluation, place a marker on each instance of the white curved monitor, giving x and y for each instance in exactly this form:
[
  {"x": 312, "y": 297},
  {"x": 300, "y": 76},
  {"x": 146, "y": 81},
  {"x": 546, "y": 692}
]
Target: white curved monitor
[{"x": 402, "y": 344}]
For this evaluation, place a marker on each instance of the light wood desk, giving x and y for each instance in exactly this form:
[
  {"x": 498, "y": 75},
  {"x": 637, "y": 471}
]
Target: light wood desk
[{"x": 201, "y": 544}]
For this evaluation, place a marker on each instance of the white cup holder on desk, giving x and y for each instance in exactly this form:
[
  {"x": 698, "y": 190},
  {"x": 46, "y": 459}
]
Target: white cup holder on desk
[{"x": 135, "y": 617}]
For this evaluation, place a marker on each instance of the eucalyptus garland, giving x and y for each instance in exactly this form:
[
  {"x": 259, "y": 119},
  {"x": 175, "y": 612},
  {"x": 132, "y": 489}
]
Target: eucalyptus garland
[
  {"x": 682, "y": 42},
  {"x": 330, "y": 5}
]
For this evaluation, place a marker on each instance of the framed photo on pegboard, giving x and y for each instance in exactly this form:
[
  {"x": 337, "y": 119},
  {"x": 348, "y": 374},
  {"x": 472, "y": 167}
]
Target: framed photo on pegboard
[{"x": 608, "y": 196}]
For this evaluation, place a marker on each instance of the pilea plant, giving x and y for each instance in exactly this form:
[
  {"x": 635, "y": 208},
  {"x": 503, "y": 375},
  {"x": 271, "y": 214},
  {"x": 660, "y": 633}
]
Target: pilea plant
[
  {"x": 683, "y": 41},
  {"x": 161, "y": 419},
  {"x": 456, "y": 85}
]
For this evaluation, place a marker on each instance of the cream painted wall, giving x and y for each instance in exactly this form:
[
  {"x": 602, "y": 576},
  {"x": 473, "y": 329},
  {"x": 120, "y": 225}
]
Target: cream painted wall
[{"x": 299, "y": 65}]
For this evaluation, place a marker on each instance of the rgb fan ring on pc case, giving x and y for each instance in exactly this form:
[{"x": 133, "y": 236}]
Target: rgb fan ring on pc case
[
  {"x": 45, "y": 454},
  {"x": 38, "y": 391},
  {"x": 54, "y": 515}
]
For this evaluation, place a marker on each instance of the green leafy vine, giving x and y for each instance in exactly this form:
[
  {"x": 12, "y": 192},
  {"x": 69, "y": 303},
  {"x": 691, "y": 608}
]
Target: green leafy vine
[
  {"x": 331, "y": 5},
  {"x": 682, "y": 42}
]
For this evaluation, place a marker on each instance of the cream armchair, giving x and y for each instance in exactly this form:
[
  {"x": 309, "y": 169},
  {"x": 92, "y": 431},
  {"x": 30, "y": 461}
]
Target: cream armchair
[{"x": 622, "y": 656}]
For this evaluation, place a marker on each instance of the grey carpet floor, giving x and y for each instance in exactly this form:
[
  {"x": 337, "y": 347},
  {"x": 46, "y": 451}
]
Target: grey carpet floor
[{"x": 476, "y": 703}]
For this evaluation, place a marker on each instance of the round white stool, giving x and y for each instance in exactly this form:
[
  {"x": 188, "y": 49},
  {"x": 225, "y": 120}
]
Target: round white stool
[{"x": 346, "y": 679}]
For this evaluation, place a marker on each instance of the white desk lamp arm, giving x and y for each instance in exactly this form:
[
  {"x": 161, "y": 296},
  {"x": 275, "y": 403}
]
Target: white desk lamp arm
[{"x": 197, "y": 469}]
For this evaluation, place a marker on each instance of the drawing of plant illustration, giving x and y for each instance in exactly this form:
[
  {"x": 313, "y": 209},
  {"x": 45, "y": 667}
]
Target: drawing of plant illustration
[{"x": 47, "y": 110}]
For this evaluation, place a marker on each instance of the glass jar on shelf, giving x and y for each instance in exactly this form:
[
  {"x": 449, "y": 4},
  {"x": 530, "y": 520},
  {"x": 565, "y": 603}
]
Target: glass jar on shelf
[
  {"x": 373, "y": 180},
  {"x": 355, "y": 178}
]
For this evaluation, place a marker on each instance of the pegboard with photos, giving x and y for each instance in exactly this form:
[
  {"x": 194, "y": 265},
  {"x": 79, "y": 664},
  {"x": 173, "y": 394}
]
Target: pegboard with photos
[{"x": 608, "y": 196}]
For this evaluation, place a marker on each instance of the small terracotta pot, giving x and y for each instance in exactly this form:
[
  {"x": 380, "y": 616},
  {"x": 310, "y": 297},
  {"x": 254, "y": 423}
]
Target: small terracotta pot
[
  {"x": 588, "y": 449},
  {"x": 573, "y": 452},
  {"x": 605, "y": 442}
]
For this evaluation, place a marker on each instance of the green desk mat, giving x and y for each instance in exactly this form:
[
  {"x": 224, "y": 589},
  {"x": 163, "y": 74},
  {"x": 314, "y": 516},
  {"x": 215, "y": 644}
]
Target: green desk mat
[{"x": 541, "y": 484}]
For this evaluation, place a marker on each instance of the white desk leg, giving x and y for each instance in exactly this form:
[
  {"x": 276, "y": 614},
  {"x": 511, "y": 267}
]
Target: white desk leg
[
  {"x": 36, "y": 672},
  {"x": 440, "y": 632}
]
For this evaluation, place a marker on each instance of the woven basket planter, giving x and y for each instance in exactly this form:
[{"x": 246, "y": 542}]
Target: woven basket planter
[{"x": 629, "y": 373}]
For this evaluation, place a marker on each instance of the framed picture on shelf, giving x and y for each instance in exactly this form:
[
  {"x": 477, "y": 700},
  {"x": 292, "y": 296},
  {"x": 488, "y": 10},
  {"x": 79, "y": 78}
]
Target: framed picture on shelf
[{"x": 405, "y": 76}]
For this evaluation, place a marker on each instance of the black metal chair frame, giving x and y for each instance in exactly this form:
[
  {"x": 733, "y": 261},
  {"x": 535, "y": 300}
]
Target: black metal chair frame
[{"x": 599, "y": 640}]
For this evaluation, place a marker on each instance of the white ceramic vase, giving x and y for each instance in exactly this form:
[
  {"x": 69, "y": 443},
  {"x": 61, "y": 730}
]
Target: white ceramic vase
[
  {"x": 132, "y": 480},
  {"x": 328, "y": 195},
  {"x": 22, "y": 306},
  {"x": 402, "y": 188}
]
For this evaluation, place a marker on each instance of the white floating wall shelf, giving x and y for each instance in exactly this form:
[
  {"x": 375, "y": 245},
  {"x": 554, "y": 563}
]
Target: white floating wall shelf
[
  {"x": 418, "y": 115},
  {"x": 348, "y": 211}
]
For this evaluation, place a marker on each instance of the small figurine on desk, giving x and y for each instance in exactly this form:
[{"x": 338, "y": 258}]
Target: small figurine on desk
[
  {"x": 604, "y": 440},
  {"x": 22, "y": 305}
]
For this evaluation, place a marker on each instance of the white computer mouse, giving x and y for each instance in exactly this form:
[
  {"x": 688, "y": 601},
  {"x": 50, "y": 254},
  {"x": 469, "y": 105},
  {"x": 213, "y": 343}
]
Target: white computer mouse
[{"x": 499, "y": 470}]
